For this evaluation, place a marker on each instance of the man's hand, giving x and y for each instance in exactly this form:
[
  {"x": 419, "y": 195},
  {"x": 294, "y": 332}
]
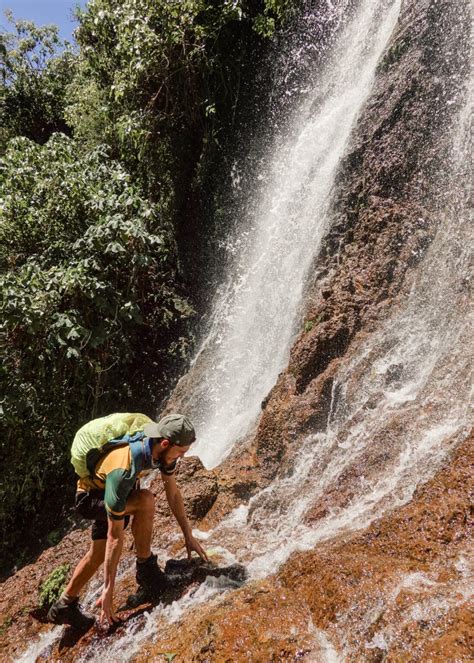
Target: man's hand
[
  {"x": 192, "y": 544},
  {"x": 175, "y": 501},
  {"x": 107, "y": 612},
  {"x": 113, "y": 548}
]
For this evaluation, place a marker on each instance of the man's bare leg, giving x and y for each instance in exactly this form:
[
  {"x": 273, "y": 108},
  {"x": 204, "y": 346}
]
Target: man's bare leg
[
  {"x": 141, "y": 505},
  {"x": 66, "y": 610},
  {"x": 86, "y": 568}
]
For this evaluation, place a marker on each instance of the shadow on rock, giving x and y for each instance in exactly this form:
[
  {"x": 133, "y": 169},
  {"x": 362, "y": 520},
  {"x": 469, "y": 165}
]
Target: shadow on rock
[
  {"x": 40, "y": 614},
  {"x": 180, "y": 574},
  {"x": 71, "y": 636}
]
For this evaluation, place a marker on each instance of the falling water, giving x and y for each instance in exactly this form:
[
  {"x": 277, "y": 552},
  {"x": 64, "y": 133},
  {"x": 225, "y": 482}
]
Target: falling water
[
  {"x": 400, "y": 402},
  {"x": 254, "y": 322}
]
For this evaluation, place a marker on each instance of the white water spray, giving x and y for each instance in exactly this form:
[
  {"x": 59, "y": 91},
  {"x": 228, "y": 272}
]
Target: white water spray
[
  {"x": 255, "y": 320},
  {"x": 399, "y": 405}
]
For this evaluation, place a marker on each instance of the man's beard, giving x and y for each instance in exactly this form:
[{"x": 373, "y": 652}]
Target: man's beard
[{"x": 163, "y": 457}]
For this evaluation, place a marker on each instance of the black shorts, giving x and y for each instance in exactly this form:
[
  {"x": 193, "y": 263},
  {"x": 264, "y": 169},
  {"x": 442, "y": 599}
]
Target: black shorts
[{"x": 91, "y": 506}]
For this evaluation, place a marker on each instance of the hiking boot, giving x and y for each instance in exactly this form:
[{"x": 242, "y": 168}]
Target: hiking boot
[
  {"x": 151, "y": 580},
  {"x": 62, "y": 612}
]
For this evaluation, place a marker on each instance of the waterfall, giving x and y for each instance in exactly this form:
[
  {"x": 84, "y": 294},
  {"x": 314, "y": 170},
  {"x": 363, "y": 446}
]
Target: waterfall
[
  {"x": 255, "y": 319},
  {"x": 401, "y": 400}
]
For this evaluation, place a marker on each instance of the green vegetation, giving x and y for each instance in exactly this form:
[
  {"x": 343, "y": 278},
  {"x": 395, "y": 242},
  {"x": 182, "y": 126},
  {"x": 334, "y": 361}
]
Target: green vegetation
[
  {"x": 35, "y": 73},
  {"x": 53, "y": 538},
  {"x": 51, "y": 589},
  {"x": 103, "y": 148},
  {"x": 394, "y": 53},
  {"x": 88, "y": 297},
  {"x": 6, "y": 625}
]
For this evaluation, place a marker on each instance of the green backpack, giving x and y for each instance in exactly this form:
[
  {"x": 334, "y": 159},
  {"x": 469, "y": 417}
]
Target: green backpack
[{"x": 98, "y": 436}]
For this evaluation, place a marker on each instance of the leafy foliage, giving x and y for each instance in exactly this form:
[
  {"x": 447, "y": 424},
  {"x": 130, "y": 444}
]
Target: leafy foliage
[
  {"x": 36, "y": 69},
  {"x": 166, "y": 75},
  {"x": 51, "y": 589},
  {"x": 102, "y": 150},
  {"x": 87, "y": 278}
]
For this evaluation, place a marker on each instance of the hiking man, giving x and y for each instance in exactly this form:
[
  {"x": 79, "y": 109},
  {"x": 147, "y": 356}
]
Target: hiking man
[{"x": 109, "y": 454}]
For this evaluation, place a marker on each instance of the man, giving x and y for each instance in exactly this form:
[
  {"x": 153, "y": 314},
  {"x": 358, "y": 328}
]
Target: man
[{"x": 109, "y": 494}]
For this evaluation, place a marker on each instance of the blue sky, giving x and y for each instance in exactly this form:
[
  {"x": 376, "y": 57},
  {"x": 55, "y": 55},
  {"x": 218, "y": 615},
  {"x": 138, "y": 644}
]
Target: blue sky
[{"x": 42, "y": 12}]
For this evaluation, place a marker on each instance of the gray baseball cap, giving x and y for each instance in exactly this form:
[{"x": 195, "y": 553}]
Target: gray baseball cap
[{"x": 176, "y": 428}]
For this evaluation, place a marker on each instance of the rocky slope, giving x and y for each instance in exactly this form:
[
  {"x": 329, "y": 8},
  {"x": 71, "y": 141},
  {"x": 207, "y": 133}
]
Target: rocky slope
[{"x": 398, "y": 590}]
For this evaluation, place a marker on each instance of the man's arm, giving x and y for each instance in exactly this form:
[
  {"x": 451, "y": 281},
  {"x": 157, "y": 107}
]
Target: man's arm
[
  {"x": 175, "y": 500},
  {"x": 113, "y": 550}
]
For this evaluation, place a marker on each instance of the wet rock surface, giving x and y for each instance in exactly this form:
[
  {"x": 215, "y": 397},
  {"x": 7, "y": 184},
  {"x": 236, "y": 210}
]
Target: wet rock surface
[
  {"x": 401, "y": 589},
  {"x": 200, "y": 488},
  {"x": 385, "y": 215},
  {"x": 406, "y": 578}
]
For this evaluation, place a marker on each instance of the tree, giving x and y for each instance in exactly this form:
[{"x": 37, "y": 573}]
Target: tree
[
  {"x": 36, "y": 69},
  {"x": 91, "y": 314}
]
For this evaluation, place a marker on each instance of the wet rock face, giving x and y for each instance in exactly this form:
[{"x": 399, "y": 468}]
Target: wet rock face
[
  {"x": 402, "y": 586},
  {"x": 267, "y": 622},
  {"x": 400, "y": 589},
  {"x": 199, "y": 487},
  {"x": 385, "y": 214}
]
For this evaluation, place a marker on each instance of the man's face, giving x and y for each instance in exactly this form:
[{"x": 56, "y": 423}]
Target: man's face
[{"x": 170, "y": 452}]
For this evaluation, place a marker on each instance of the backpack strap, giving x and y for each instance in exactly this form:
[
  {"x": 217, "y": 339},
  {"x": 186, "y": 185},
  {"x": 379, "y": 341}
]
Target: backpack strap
[{"x": 95, "y": 455}]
